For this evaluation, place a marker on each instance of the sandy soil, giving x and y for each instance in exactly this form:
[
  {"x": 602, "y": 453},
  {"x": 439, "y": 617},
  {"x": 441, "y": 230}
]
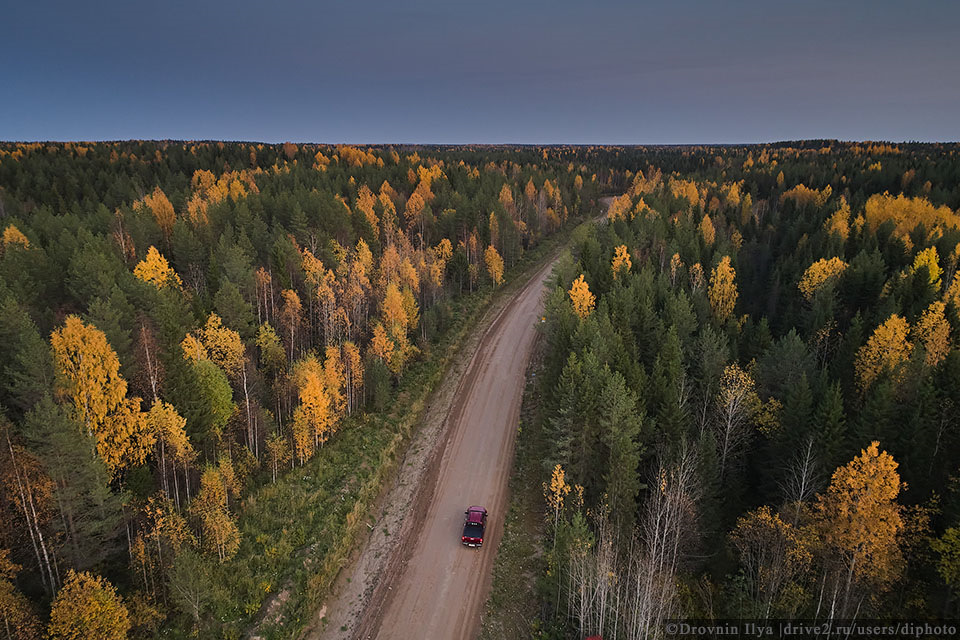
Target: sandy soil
[{"x": 413, "y": 578}]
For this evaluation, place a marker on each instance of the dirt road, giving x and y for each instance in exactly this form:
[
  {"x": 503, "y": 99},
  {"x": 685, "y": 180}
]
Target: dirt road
[
  {"x": 443, "y": 586},
  {"x": 414, "y": 579}
]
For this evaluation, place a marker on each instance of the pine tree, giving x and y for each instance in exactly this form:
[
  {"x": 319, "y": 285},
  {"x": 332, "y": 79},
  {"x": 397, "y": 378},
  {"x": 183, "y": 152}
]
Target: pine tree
[
  {"x": 789, "y": 437},
  {"x": 235, "y": 311},
  {"x": 562, "y": 426},
  {"x": 620, "y": 426},
  {"x": 115, "y": 316},
  {"x": 27, "y": 363},
  {"x": 89, "y": 514},
  {"x": 205, "y": 399},
  {"x": 830, "y": 423},
  {"x": 670, "y": 388}
]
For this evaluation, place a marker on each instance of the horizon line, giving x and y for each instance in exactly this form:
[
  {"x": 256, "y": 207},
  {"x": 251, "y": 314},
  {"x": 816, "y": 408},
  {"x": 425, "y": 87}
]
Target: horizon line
[{"x": 481, "y": 144}]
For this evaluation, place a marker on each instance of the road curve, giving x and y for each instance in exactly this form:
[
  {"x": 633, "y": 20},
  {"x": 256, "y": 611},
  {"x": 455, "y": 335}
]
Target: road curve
[{"x": 441, "y": 588}]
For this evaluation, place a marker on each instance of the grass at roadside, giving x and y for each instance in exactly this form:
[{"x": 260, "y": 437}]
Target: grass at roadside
[{"x": 298, "y": 532}]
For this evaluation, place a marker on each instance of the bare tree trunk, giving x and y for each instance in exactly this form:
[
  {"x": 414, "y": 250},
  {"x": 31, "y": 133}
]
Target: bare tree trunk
[
  {"x": 176, "y": 483},
  {"x": 273, "y": 307},
  {"x": 800, "y": 483},
  {"x": 33, "y": 526},
  {"x": 251, "y": 434},
  {"x": 152, "y": 373},
  {"x": 163, "y": 469}
]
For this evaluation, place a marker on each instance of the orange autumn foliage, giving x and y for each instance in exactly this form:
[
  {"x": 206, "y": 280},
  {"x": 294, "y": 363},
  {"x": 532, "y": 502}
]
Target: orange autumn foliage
[
  {"x": 87, "y": 607},
  {"x": 219, "y": 532},
  {"x": 366, "y": 202},
  {"x": 217, "y": 343},
  {"x": 860, "y": 518},
  {"x": 931, "y": 260},
  {"x": 819, "y": 273},
  {"x": 839, "y": 222},
  {"x": 619, "y": 208},
  {"x": 170, "y": 428},
  {"x": 686, "y": 189},
  {"x": 707, "y": 230},
  {"x": 381, "y": 346},
  {"x": 494, "y": 265},
  {"x": 334, "y": 379},
  {"x": 88, "y": 373},
  {"x": 353, "y": 372},
  {"x": 16, "y": 615},
  {"x": 885, "y": 351},
  {"x": 314, "y": 417},
  {"x": 12, "y": 235},
  {"x": 621, "y": 260},
  {"x": 723, "y": 289},
  {"x": 159, "y": 205},
  {"x": 155, "y": 269},
  {"x": 414, "y": 209},
  {"x": 394, "y": 312},
  {"x": 933, "y": 333},
  {"x": 583, "y": 301},
  {"x": 907, "y": 213},
  {"x": 805, "y": 196}
]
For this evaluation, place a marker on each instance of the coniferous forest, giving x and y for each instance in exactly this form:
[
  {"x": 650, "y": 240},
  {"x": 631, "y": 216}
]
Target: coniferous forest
[
  {"x": 202, "y": 347},
  {"x": 751, "y": 389},
  {"x": 208, "y": 354}
]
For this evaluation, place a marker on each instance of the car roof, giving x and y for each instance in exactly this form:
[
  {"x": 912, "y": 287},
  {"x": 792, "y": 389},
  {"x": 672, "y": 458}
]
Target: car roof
[{"x": 475, "y": 514}]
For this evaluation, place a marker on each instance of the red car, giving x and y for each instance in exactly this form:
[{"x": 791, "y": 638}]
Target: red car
[{"x": 475, "y": 521}]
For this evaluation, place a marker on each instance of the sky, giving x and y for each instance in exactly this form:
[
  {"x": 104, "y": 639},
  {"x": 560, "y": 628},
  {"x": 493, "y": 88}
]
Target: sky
[{"x": 481, "y": 71}]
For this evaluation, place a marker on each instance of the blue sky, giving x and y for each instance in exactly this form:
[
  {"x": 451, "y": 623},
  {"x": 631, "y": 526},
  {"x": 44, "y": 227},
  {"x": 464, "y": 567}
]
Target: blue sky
[{"x": 536, "y": 71}]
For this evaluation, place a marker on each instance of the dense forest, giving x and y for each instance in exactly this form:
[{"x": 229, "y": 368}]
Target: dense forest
[
  {"x": 750, "y": 381},
  {"x": 201, "y": 345},
  {"x": 750, "y": 389}
]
